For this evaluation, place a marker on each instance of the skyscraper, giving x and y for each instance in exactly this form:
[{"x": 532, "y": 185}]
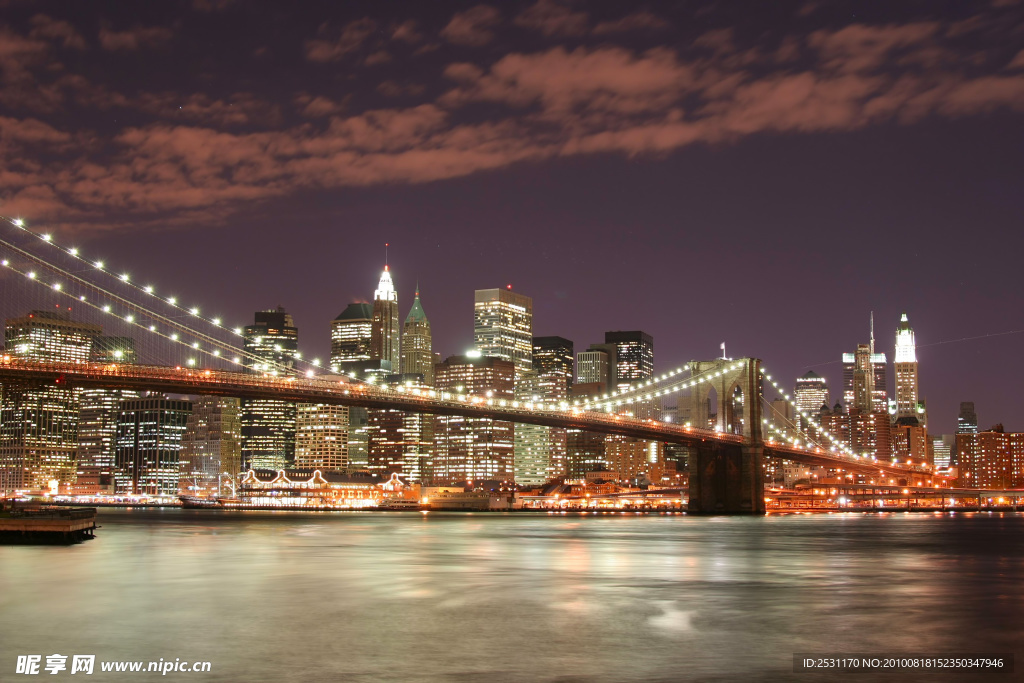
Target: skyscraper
[
  {"x": 417, "y": 353},
  {"x": 593, "y": 366},
  {"x": 473, "y": 447},
  {"x": 268, "y": 426},
  {"x": 401, "y": 442},
  {"x": 634, "y": 361},
  {"x": 967, "y": 420},
  {"x": 39, "y": 426},
  {"x": 810, "y": 394},
  {"x": 351, "y": 336},
  {"x": 97, "y": 414},
  {"x": 321, "y": 437},
  {"x": 553, "y": 361},
  {"x": 503, "y": 326},
  {"x": 384, "y": 336},
  {"x": 864, "y": 377},
  {"x": 148, "y": 446},
  {"x": 905, "y": 364},
  {"x": 211, "y": 447}
]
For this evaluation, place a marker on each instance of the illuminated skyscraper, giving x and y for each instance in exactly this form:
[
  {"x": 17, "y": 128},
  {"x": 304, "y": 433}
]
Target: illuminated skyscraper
[
  {"x": 864, "y": 378},
  {"x": 401, "y": 442},
  {"x": 905, "y": 364},
  {"x": 211, "y": 447},
  {"x": 503, "y": 326},
  {"x": 594, "y": 366},
  {"x": 473, "y": 447},
  {"x": 268, "y": 426},
  {"x": 148, "y": 446},
  {"x": 634, "y": 356},
  {"x": 39, "y": 426},
  {"x": 417, "y": 354},
  {"x": 351, "y": 336},
  {"x": 810, "y": 394},
  {"x": 540, "y": 452},
  {"x": 97, "y": 414},
  {"x": 384, "y": 335},
  {"x": 553, "y": 361},
  {"x": 321, "y": 437}
]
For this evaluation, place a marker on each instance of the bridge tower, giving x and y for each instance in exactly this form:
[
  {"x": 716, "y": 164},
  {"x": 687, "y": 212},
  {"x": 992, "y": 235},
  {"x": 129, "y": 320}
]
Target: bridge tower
[{"x": 728, "y": 478}]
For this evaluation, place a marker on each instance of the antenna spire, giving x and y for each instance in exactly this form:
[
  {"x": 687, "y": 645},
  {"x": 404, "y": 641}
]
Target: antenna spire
[
  {"x": 872, "y": 318},
  {"x": 386, "y": 245}
]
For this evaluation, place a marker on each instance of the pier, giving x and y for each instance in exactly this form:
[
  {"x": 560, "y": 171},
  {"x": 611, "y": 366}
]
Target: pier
[{"x": 47, "y": 525}]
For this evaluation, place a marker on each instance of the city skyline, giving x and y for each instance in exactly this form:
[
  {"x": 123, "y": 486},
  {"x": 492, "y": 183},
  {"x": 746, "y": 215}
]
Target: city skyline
[{"x": 841, "y": 155}]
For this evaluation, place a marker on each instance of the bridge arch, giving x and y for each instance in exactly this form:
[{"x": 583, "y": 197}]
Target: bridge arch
[{"x": 737, "y": 389}]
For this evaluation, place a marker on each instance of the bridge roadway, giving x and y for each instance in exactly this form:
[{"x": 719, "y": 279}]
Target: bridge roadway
[{"x": 180, "y": 380}]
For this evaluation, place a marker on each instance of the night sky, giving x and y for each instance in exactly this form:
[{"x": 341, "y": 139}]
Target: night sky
[{"x": 759, "y": 173}]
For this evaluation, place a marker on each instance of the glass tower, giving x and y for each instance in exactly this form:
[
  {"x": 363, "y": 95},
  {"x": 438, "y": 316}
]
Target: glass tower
[{"x": 268, "y": 426}]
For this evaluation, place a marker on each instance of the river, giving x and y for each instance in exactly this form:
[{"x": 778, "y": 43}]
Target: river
[{"x": 287, "y": 596}]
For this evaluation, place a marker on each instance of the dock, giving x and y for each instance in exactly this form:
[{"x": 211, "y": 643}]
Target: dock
[{"x": 47, "y": 525}]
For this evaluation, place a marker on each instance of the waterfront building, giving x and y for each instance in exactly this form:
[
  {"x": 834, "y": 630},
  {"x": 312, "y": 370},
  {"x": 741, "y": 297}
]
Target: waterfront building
[
  {"x": 417, "y": 351},
  {"x": 472, "y": 448},
  {"x": 321, "y": 437},
  {"x": 385, "y": 331},
  {"x": 268, "y": 426},
  {"x": 39, "y": 426},
  {"x": 991, "y": 459},
  {"x": 503, "y": 326},
  {"x": 633, "y": 460},
  {"x": 540, "y": 451},
  {"x": 148, "y": 445},
  {"x": 351, "y": 337},
  {"x": 910, "y": 442},
  {"x": 810, "y": 394},
  {"x": 966, "y": 423},
  {"x": 211, "y": 446}
]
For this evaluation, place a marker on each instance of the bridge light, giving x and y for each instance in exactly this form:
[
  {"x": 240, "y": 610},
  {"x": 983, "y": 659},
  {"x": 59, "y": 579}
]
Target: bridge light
[
  {"x": 215, "y": 321},
  {"x": 46, "y": 237},
  {"x": 99, "y": 265},
  {"x": 152, "y": 328},
  {"x": 31, "y": 275},
  {"x": 106, "y": 309},
  {"x": 216, "y": 352},
  {"x": 129, "y": 318},
  {"x": 191, "y": 361},
  {"x": 195, "y": 345},
  {"x": 20, "y": 223},
  {"x": 238, "y": 331},
  {"x": 5, "y": 263},
  {"x": 174, "y": 336},
  {"x": 316, "y": 362},
  {"x": 194, "y": 310},
  {"x": 236, "y": 360},
  {"x": 172, "y": 301},
  {"x": 124, "y": 277},
  {"x": 56, "y": 286},
  {"x": 73, "y": 251}
]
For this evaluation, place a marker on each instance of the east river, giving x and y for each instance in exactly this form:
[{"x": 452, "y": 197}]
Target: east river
[{"x": 408, "y": 596}]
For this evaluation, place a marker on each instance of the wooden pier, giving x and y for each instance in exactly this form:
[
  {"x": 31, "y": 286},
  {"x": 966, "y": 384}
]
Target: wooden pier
[{"x": 47, "y": 525}]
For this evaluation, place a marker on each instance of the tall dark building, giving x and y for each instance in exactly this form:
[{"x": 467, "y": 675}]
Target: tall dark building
[
  {"x": 553, "y": 361},
  {"x": 148, "y": 446},
  {"x": 966, "y": 423},
  {"x": 352, "y": 337},
  {"x": 634, "y": 352},
  {"x": 268, "y": 426}
]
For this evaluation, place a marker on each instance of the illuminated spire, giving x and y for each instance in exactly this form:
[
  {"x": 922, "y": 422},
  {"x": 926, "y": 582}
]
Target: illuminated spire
[
  {"x": 906, "y": 349},
  {"x": 416, "y": 313},
  {"x": 385, "y": 288}
]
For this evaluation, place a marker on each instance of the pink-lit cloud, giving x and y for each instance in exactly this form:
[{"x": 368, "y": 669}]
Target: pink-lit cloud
[
  {"x": 333, "y": 44},
  {"x": 134, "y": 38},
  {"x": 474, "y": 27}
]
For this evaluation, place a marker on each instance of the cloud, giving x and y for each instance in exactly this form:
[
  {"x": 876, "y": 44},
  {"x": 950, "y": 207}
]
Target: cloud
[
  {"x": 638, "y": 21},
  {"x": 406, "y": 32},
  {"x": 395, "y": 89},
  {"x": 1017, "y": 62},
  {"x": 134, "y": 38},
  {"x": 472, "y": 27},
  {"x": 317, "y": 107},
  {"x": 350, "y": 38},
  {"x": 239, "y": 109},
  {"x": 45, "y": 27},
  {"x": 554, "y": 18}
]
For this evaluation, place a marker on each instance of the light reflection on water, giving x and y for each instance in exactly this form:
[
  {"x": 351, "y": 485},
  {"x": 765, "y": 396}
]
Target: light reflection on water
[{"x": 406, "y": 596}]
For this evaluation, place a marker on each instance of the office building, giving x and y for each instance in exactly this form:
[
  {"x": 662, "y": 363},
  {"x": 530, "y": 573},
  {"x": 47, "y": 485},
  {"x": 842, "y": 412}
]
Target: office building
[
  {"x": 401, "y": 442},
  {"x": 991, "y": 459},
  {"x": 417, "y": 351},
  {"x": 321, "y": 437},
  {"x": 905, "y": 365},
  {"x": 351, "y": 337},
  {"x": 634, "y": 356},
  {"x": 385, "y": 331},
  {"x": 864, "y": 377},
  {"x": 553, "y": 361},
  {"x": 473, "y": 448},
  {"x": 503, "y": 326},
  {"x": 39, "y": 426},
  {"x": 595, "y": 366},
  {"x": 148, "y": 445},
  {"x": 211, "y": 446},
  {"x": 943, "y": 446},
  {"x": 268, "y": 426},
  {"x": 810, "y": 394}
]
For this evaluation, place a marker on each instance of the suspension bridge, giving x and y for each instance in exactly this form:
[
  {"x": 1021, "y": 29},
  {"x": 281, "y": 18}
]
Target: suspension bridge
[{"x": 177, "y": 348}]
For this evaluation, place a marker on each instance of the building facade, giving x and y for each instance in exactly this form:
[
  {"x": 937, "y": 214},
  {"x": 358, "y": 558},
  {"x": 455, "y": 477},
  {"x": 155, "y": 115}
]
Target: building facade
[
  {"x": 417, "y": 344},
  {"x": 384, "y": 339},
  {"x": 268, "y": 426},
  {"x": 211, "y": 446},
  {"x": 352, "y": 337},
  {"x": 321, "y": 437},
  {"x": 503, "y": 326},
  {"x": 473, "y": 448},
  {"x": 148, "y": 446}
]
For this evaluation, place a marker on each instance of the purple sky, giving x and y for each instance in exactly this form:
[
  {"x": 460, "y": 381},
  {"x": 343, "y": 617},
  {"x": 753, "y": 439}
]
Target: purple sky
[{"x": 763, "y": 174}]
